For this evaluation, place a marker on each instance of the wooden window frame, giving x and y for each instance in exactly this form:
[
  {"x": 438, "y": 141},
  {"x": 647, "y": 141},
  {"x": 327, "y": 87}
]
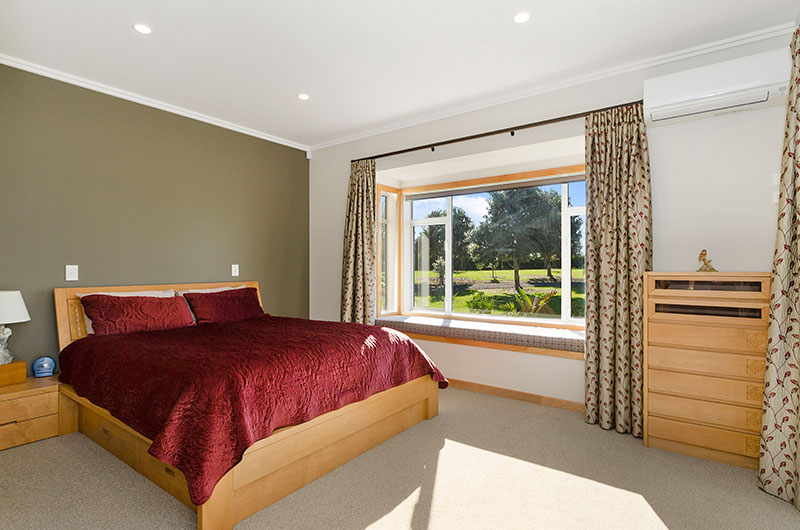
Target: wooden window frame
[{"x": 404, "y": 193}]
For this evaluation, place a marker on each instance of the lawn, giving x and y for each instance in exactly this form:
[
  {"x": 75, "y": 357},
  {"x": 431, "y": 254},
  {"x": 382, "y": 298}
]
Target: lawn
[
  {"x": 503, "y": 293},
  {"x": 508, "y": 275},
  {"x": 502, "y": 275}
]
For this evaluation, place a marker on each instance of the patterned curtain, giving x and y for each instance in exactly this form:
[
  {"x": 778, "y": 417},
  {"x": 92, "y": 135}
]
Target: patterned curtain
[
  {"x": 358, "y": 266},
  {"x": 779, "y": 464},
  {"x": 618, "y": 251}
]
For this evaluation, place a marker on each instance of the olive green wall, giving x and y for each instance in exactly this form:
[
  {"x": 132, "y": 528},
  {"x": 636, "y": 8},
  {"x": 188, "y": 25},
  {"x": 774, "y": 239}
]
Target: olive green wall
[{"x": 135, "y": 195}]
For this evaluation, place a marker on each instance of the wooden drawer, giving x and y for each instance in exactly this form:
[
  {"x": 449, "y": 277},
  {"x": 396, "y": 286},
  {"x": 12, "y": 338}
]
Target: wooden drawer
[
  {"x": 708, "y": 311},
  {"x": 27, "y": 408},
  {"x": 715, "y": 338},
  {"x": 24, "y": 432},
  {"x": 718, "y": 414},
  {"x": 112, "y": 438},
  {"x": 706, "y": 362},
  {"x": 710, "y": 437},
  {"x": 165, "y": 476},
  {"x": 711, "y": 388},
  {"x": 693, "y": 285}
]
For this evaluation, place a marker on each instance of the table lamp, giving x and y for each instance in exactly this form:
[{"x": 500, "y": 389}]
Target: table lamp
[{"x": 12, "y": 311}]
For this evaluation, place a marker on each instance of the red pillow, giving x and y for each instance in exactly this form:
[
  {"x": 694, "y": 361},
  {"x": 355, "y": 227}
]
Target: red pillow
[
  {"x": 118, "y": 314},
  {"x": 225, "y": 306}
]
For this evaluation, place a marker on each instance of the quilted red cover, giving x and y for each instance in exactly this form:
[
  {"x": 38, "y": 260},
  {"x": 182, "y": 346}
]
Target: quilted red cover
[
  {"x": 204, "y": 394},
  {"x": 225, "y": 306},
  {"x": 127, "y": 314}
]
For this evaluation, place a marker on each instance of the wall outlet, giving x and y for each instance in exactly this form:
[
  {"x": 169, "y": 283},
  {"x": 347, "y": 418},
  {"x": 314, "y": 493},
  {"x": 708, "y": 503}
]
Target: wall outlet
[
  {"x": 71, "y": 273},
  {"x": 235, "y": 269}
]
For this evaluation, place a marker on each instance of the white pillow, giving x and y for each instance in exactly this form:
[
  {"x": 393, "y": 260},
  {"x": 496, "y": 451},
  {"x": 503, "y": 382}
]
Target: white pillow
[
  {"x": 213, "y": 290},
  {"x": 154, "y": 294}
]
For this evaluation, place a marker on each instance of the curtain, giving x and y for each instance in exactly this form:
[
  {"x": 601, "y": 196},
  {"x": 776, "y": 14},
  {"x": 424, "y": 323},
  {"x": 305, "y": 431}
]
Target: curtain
[
  {"x": 618, "y": 251},
  {"x": 780, "y": 460},
  {"x": 358, "y": 265}
]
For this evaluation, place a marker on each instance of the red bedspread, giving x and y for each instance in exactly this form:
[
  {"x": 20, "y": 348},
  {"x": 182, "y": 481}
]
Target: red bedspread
[{"x": 206, "y": 393}]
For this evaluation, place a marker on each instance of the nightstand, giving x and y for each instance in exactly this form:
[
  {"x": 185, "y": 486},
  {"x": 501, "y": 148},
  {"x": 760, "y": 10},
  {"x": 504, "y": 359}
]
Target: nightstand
[{"x": 28, "y": 411}]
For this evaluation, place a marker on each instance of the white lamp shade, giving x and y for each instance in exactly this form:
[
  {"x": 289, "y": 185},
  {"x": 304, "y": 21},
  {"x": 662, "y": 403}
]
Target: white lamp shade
[{"x": 12, "y": 308}]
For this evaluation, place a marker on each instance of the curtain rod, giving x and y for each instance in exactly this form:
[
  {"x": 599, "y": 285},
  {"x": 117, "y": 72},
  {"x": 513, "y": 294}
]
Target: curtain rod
[{"x": 511, "y": 130}]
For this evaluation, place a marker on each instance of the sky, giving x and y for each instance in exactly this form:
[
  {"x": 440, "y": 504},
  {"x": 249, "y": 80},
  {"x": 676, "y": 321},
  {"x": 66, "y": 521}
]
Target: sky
[{"x": 477, "y": 204}]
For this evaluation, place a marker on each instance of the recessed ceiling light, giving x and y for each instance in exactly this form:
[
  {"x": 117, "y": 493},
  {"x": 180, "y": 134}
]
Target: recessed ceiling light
[
  {"x": 303, "y": 97},
  {"x": 521, "y": 18},
  {"x": 144, "y": 29}
]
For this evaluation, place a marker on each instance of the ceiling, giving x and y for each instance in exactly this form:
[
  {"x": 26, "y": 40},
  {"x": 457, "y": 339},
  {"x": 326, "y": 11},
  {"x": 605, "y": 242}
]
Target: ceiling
[
  {"x": 553, "y": 153},
  {"x": 368, "y": 65}
]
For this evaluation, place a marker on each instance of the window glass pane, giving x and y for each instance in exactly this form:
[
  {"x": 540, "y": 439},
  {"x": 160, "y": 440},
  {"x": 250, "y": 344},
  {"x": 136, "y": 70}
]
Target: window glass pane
[
  {"x": 429, "y": 266},
  {"x": 468, "y": 212},
  {"x": 510, "y": 264},
  {"x": 424, "y": 208},
  {"x": 578, "y": 226},
  {"x": 577, "y": 193},
  {"x": 384, "y": 266},
  {"x": 383, "y": 208}
]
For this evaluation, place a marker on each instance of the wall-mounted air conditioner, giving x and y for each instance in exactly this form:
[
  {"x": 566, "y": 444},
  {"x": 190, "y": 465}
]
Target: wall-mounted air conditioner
[{"x": 746, "y": 83}]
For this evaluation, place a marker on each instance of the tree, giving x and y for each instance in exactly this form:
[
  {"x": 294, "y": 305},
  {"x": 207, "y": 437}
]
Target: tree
[
  {"x": 462, "y": 233},
  {"x": 576, "y": 231},
  {"x": 520, "y": 223},
  {"x": 462, "y": 236}
]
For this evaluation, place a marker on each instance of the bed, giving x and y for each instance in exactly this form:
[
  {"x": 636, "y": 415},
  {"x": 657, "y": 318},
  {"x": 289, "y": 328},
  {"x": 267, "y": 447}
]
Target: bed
[{"x": 271, "y": 467}]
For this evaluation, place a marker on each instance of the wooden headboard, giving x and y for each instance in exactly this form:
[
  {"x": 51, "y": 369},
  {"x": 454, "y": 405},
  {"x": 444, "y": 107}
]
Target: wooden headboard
[{"x": 69, "y": 311}]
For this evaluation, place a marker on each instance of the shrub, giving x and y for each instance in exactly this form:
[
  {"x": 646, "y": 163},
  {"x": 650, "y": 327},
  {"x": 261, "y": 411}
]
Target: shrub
[
  {"x": 480, "y": 303},
  {"x": 524, "y": 303}
]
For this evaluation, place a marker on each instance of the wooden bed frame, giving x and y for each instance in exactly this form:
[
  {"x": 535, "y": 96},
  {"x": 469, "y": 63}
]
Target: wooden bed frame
[{"x": 271, "y": 468}]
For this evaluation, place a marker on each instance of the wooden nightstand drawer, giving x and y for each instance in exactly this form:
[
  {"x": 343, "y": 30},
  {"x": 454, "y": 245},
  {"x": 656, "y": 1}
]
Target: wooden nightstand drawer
[
  {"x": 707, "y": 362},
  {"x": 27, "y": 408},
  {"x": 710, "y": 388},
  {"x": 718, "y": 414},
  {"x": 28, "y": 411},
  {"x": 24, "y": 432}
]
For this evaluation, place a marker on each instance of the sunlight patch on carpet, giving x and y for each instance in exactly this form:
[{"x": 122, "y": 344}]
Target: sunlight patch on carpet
[{"x": 471, "y": 483}]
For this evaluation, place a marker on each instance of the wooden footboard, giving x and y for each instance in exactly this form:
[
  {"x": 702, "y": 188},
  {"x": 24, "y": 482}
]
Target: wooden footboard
[{"x": 273, "y": 467}]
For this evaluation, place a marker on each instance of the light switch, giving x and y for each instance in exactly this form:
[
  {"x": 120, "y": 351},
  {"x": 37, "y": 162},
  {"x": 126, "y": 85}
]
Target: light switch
[
  {"x": 71, "y": 273},
  {"x": 235, "y": 269}
]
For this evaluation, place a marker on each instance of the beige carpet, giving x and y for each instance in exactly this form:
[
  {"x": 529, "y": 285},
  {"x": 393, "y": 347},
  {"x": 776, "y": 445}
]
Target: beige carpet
[{"x": 485, "y": 462}]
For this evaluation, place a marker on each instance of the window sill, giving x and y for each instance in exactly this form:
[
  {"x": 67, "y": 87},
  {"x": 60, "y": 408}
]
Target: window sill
[{"x": 554, "y": 342}]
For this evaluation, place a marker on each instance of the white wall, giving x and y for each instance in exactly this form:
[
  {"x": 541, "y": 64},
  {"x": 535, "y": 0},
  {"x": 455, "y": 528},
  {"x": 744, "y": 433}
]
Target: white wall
[
  {"x": 711, "y": 189},
  {"x": 524, "y": 372}
]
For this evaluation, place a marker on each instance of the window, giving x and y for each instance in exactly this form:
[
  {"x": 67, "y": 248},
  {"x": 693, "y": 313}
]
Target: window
[
  {"x": 511, "y": 252},
  {"x": 387, "y": 250}
]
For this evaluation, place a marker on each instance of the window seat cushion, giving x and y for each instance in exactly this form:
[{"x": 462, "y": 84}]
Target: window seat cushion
[{"x": 501, "y": 333}]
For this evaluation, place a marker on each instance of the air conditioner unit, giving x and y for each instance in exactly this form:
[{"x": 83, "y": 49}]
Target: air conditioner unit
[{"x": 747, "y": 83}]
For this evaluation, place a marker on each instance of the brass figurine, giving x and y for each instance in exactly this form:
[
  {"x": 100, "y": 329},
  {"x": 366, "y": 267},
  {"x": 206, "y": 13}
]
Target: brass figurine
[{"x": 705, "y": 263}]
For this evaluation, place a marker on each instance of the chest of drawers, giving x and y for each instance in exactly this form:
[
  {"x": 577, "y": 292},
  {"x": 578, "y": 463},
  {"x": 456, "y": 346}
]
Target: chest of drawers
[{"x": 705, "y": 348}]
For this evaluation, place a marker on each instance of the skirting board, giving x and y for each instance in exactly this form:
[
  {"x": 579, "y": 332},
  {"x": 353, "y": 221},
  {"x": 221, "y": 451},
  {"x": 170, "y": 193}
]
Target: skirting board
[{"x": 516, "y": 394}]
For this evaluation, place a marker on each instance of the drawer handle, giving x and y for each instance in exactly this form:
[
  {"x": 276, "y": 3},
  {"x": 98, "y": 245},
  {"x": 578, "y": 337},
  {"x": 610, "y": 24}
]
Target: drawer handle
[{"x": 169, "y": 472}]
